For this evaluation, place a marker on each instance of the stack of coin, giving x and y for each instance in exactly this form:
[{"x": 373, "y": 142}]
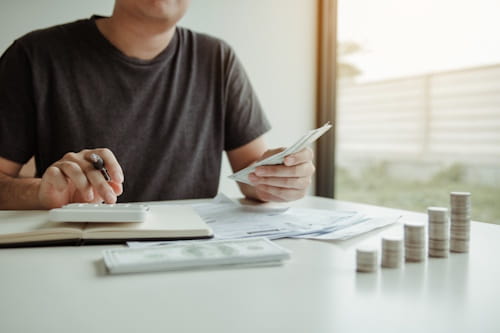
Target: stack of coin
[
  {"x": 460, "y": 203},
  {"x": 392, "y": 252},
  {"x": 367, "y": 259},
  {"x": 414, "y": 242},
  {"x": 439, "y": 232}
]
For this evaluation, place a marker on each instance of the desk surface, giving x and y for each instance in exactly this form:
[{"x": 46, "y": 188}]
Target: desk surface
[{"x": 66, "y": 289}]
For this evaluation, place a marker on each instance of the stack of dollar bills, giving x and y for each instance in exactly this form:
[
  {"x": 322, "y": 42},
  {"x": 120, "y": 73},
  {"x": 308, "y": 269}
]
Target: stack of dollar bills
[
  {"x": 278, "y": 158},
  {"x": 190, "y": 255}
]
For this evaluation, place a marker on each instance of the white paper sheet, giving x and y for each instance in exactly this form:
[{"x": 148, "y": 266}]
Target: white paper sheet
[{"x": 230, "y": 220}]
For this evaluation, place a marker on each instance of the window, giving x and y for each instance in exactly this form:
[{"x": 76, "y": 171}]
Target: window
[{"x": 418, "y": 103}]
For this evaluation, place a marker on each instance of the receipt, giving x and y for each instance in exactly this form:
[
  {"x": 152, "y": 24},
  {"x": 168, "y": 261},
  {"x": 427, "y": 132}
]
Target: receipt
[{"x": 307, "y": 139}]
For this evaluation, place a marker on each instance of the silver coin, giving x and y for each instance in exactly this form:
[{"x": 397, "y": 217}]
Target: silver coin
[
  {"x": 438, "y": 253},
  {"x": 439, "y": 230},
  {"x": 439, "y": 244},
  {"x": 458, "y": 245},
  {"x": 437, "y": 213}
]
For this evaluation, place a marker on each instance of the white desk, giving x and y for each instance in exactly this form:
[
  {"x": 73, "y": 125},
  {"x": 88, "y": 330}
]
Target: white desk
[{"x": 66, "y": 289}]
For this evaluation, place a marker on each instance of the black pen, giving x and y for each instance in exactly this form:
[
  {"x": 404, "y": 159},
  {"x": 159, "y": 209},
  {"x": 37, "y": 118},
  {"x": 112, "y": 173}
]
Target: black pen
[{"x": 98, "y": 164}]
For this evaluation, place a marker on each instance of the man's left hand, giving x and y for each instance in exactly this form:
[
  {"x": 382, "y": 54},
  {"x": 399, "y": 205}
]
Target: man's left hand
[{"x": 285, "y": 182}]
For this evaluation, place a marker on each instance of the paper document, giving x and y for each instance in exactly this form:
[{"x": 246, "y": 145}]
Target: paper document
[
  {"x": 364, "y": 224},
  {"x": 230, "y": 220},
  {"x": 310, "y": 137}
]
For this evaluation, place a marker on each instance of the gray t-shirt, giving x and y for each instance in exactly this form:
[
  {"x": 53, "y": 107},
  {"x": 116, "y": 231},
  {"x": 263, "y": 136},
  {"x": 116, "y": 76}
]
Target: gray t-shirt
[{"x": 167, "y": 120}]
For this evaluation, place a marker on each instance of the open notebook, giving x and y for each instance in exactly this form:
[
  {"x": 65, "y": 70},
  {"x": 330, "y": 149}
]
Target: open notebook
[{"x": 164, "y": 222}]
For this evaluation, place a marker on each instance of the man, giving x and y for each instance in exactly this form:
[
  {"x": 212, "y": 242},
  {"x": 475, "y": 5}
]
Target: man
[{"x": 161, "y": 102}]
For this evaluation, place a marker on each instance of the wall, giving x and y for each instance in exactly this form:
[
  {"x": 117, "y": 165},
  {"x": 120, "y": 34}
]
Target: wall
[
  {"x": 275, "y": 41},
  {"x": 18, "y": 17}
]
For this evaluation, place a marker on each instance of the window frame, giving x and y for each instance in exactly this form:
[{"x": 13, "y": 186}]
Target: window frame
[{"x": 326, "y": 96}]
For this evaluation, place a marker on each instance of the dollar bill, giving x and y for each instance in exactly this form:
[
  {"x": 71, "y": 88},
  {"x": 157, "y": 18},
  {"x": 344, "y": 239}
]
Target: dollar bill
[
  {"x": 304, "y": 141},
  {"x": 185, "y": 255}
]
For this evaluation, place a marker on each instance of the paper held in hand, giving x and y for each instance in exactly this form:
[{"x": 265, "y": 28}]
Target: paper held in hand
[{"x": 310, "y": 137}]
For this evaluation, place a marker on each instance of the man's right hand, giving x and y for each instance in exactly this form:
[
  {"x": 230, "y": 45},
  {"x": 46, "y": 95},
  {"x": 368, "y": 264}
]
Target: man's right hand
[{"x": 74, "y": 179}]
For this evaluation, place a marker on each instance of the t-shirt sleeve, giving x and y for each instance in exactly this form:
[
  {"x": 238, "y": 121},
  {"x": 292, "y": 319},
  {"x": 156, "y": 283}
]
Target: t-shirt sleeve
[
  {"x": 245, "y": 119},
  {"x": 17, "y": 130}
]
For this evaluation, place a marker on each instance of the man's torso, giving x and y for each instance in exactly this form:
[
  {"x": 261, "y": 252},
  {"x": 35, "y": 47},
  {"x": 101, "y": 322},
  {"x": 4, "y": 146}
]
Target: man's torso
[{"x": 164, "y": 119}]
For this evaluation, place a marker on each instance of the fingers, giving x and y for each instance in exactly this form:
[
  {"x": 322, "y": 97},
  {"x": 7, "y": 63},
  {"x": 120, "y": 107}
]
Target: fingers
[
  {"x": 303, "y": 156},
  {"x": 71, "y": 170},
  {"x": 117, "y": 188},
  {"x": 75, "y": 174},
  {"x": 82, "y": 170},
  {"x": 285, "y": 182},
  {"x": 56, "y": 178},
  {"x": 101, "y": 186},
  {"x": 300, "y": 170},
  {"x": 112, "y": 165},
  {"x": 280, "y": 188}
]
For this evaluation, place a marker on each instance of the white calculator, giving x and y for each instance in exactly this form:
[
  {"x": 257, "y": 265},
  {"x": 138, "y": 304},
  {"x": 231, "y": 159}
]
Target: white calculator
[{"x": 86, "y": 212}]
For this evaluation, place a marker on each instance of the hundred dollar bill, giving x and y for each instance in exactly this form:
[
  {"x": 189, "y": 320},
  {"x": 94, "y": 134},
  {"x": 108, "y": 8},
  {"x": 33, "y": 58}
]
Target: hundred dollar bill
[
  {"x": 184, "y": 255},
  {"x": 307, "y": 139}
]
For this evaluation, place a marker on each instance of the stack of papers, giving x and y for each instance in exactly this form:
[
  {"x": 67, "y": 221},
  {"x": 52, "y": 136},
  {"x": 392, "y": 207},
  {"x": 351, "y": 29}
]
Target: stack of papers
[
  {"x": 189, "y": 255},
  {"x": 307, "y": 139},
  {"x": 230, "y": 220}
]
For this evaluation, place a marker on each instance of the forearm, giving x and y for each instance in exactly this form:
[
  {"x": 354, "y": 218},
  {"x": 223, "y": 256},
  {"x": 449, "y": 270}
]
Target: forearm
[{"x": 19, "y": 193}]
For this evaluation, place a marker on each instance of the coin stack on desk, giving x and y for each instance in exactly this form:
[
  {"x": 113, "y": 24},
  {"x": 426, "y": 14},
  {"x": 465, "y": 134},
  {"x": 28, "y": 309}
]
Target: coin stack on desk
[
  {"x": 392, "y": 252},
  {"x": 460, "y": 203},
  {"x": 447, "y": 232},
  {"x": 414, "y": 242},
  {"x": 439, "y": 232},
  {"x": 367, "y": 260}
]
